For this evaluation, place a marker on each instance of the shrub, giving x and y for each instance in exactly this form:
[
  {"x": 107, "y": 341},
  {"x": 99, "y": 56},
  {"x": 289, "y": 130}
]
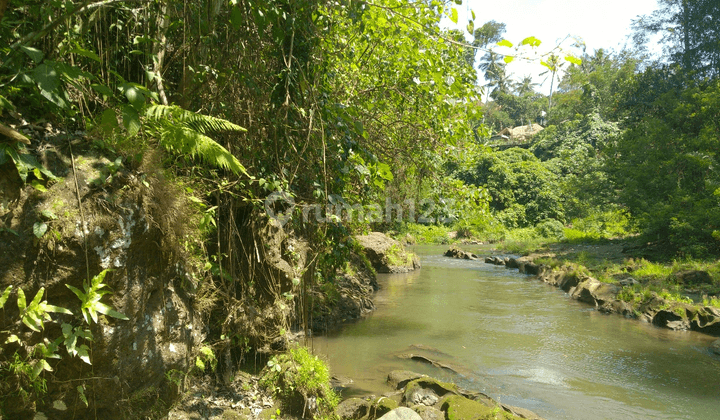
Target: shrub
[
  {"x": 551, "y": 229},
  {"x": 302, "y": 382}
]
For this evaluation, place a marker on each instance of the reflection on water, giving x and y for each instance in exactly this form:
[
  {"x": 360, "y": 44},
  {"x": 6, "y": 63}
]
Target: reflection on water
[{"x": 525, "y": 344}]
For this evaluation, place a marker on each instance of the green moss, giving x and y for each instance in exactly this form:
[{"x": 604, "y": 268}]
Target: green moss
[
  {"x": 461, "y": 408},
  {"x": 382, "y": 406}
]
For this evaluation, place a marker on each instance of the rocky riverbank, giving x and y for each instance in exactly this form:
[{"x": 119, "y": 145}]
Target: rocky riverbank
[
  {"x": 419, "y": 397},
  {"x": 652, "y": 307}
]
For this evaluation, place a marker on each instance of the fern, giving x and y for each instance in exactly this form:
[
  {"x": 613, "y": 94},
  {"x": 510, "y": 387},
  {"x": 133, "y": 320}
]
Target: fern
[{"x": 185, "y": 132}]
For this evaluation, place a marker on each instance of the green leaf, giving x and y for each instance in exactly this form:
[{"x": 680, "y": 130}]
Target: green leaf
[
  {"x": 81, "y": 393},
  {"x": 39, "y": 366},
  {"x": 131, "y": 120},
  {"x": 454, "y": 15},
  {"x": 384, "y": 171},
  {"x": 5, "y": 296},
  {"x": 86, "y": 53},
  {"x": 470, "y": 26},
  {"x": 77, "y": 292},
  {"x": 107, "y": 310},
  {"x": 46, "y": 77},
  {"x": 32, "y": 321},
  {"x": 38, "y": 186},
  {"x": 4, "y": 103},
  {"x": 236, "y": 18},
  {"x": 83, "y": 354},
  {"x": 531, "y": 41},
  {"x": 573, "y": 60},
  {"x": 55, "y": 98},
  {"x": 102, "y": 89},
  {"x": 21, "y": 302},
  {"x": 508, "y": 59},
  {"x": 56, "y": 309},
  {"x": 35, "y": 54},
  {"x": 38, "y": 296},
  {"x": 135, "y": 97},
  {"x": 39, "y": 229},
  {"x": 48, "y": 215},
  {"x": 108, "y": 121},
  {"x": 505, "y": 43}
]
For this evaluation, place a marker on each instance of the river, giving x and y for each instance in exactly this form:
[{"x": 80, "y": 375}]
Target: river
[{"x": 526, "y": 344}]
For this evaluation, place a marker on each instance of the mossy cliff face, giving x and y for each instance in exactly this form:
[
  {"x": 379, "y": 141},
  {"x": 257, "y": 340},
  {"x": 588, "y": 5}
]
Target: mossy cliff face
[{"x": 131, "y": 225}]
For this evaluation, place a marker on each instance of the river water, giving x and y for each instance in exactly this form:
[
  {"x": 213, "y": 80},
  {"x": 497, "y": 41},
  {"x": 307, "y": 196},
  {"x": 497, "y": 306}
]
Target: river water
[{"x": 526, "y": 344}]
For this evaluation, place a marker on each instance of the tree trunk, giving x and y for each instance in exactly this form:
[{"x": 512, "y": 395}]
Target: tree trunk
[
  {"x": 686, "y": 35},
  {"x": 159, "y": 51},
  {"x": 3, "y": 6}
]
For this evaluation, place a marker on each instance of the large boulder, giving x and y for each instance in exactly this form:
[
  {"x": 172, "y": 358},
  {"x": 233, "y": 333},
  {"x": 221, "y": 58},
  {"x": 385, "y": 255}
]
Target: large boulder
[
  {"x": 386, "y": 254},
  {"x": 398, "y": 379},
  {"x": 594, "y": 292},
  {"x": 715, "y": 347},
  {"x": 427, "y": 391},
  {"x": 707, "y": 320},
  {"x": 458, "y": 253},
  {"x": 401, "y": 413},
  {"x": 353, "y": 409},
  {"x": 672, "y": 318},
  {"x": 458, "y": 407},
  {"x": 693, "y": 277},
  {"x": 429, "y": 413},
  {"x": 520, "y": 412}
]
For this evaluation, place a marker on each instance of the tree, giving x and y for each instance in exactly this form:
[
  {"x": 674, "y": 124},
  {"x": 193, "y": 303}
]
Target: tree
[
  {"x": 494, "y": 72},
  {"x": 523, "y": 190},
  {"x": 554, "y": 66},
  {"x": 594, "y": 85},
  {"x": 491, "y": 32},
  {"x": 689, "y": 33},
  {"x": 664, "y": 163}
]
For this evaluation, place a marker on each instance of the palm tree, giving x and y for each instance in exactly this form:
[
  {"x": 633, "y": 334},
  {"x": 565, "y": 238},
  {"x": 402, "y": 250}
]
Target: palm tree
[
  {"x": 554, "y": 66},
  {"x": 526, "y": 85},
  {"x": 494, "y": 69}
]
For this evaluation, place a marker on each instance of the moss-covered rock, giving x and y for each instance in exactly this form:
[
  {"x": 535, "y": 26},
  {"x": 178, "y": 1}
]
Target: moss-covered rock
[
  {"x": 397, "y": 379},
  {"x": 386, "y": 254},
  {"x": 353, "y": 409},
  {"x": 427, "y": 391},
  {"x": 382, "y": 406},
  {"x": 457, "y": 407}
]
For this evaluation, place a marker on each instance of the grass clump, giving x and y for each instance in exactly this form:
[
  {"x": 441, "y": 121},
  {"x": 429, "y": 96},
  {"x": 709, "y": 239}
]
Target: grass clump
[
  {"x": 711, "y": 301},
  {"x": 302, "y": 382},
  {"x": 427, "y": 234},
  {"x": 398, "y": 257}
]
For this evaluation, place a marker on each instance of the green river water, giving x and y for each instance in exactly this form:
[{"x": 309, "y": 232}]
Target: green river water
[{"x": 526, "y": 344}]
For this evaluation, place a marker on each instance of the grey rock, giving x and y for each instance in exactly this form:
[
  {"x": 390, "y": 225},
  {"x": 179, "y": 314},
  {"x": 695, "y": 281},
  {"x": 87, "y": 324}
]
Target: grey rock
[
  {"x": 429, "y": 413},
  {"x": 401, "y": 413},
  {"x": 353, "y": 408},
  {"x": 399, "y": 378}
]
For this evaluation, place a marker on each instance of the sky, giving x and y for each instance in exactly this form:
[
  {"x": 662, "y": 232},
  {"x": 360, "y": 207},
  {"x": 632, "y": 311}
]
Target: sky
[{"x": 599, "y": 23}]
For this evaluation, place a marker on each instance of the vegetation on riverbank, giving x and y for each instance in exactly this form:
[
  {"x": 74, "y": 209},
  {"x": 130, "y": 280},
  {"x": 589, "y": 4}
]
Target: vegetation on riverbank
[{"x": 211, "y": 154}]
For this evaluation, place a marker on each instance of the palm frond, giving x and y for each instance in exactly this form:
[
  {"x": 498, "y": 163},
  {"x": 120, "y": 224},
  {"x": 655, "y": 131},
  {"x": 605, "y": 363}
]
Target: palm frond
[
  {"x": 201, "y": 123},
  {"x": 185, "y": 133},
  {"x": 186, "y": 141}
]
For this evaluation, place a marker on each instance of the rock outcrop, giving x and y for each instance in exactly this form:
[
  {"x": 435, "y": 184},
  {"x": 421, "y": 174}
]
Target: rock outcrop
[
  {"x": 458, "y": 253},
  {"x": 386, "y": 254}
]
